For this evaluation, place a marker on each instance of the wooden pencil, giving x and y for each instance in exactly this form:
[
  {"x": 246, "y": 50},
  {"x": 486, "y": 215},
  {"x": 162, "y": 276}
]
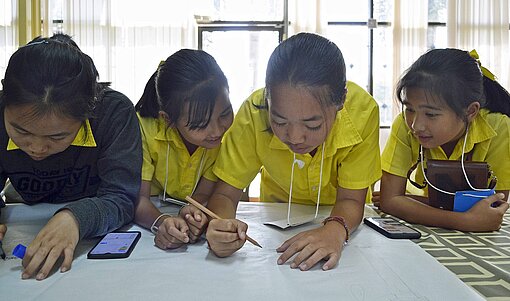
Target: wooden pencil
[{"x": 214, "y": 215}]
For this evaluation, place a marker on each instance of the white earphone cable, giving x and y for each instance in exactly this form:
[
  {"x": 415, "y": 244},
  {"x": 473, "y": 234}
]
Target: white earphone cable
[
  {"x": 166, "y": 169},
  {"x": 197, "y": 178},
  {"x": 462, "y": 166},
  {"x": 199, "y": 174},
  {"x": 294, "y": 162},
  {"x": 290, "y": 189}
]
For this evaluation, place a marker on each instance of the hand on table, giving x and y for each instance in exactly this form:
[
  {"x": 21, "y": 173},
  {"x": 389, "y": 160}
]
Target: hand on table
[
  {"x": 58, "y": 238},
  {"x": 173, "y": 232},
  {"x": 483, "y": 216},
  {"x": 226, "y": 236},
  {"x": 3, "y": 230},
  {"x": 312, "y": 246},
  {"x": 196, "y": 219}
]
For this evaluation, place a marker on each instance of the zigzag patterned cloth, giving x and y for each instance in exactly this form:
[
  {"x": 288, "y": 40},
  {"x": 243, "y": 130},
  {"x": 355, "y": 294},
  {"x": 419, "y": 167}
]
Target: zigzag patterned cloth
[{"x": 481, "y": 260}]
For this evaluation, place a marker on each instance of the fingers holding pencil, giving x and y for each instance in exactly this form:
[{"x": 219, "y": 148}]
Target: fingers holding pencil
[
  {"x": 225, "y": 237},
  {"x": 240, "y": 227}
]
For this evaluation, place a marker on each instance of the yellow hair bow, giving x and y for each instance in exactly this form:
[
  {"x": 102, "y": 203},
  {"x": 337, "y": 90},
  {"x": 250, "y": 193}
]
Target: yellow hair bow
[
  {"x": 485, "y": 71},
  {"x": 161, "y": 63}
]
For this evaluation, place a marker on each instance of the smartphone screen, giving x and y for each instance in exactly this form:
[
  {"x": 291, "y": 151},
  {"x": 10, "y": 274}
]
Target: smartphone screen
[
  {"x": 115, "y": 245},
  {"x": 391, "y": 228}
]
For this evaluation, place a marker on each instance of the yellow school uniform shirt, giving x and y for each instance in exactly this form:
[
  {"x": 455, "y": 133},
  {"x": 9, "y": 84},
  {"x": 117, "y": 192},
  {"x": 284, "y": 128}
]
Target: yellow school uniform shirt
[
  {"x": 488, "y": 138},
  {"x": 351, "y": 156},
  {"x": 183, "y": 169}
]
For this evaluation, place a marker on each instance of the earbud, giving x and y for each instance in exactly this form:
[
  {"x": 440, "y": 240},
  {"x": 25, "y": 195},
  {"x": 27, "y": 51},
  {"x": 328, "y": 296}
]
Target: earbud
[{"x": 299, "y": 163}]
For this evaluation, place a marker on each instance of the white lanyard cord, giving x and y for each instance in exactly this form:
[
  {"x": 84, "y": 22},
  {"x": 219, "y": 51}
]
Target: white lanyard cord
[
  {"x": 464, "y": 170},
  {"x": 461, "y": 164},
  {"x": 320, "y": 183},
  {"x": 290, "y": 190},
  {"x": 199, "y": 174},
  {"x": 166, "y": 170},
  {"x": 294, "y": 161}
]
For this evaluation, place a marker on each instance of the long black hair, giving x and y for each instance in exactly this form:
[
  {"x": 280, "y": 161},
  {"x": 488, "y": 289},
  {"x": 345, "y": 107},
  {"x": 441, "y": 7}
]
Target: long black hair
[
  {"x": 453, "y": 76},
  {"x": 187, "y": 76}
]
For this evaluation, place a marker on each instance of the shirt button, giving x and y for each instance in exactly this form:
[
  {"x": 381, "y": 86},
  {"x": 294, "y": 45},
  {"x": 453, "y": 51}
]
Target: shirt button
[
  {"x": 189, "y": 165},
  {"x": 314, "y": 187}
]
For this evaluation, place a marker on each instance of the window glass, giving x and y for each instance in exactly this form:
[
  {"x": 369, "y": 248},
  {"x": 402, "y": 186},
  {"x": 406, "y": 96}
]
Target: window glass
[
  {"x": 8, "y": 33},
  {"x": 347, "y": 10},
  {"x": 382, "y": 73},
  {"x": 240, "y": 10},
  {"x": 353, "y": 42},
  {"x": 436, "y": 37},
  {"x": 243, "y": 56},
  {"x": 383, "y": 10},
  {"x": 437, "y": 11}
]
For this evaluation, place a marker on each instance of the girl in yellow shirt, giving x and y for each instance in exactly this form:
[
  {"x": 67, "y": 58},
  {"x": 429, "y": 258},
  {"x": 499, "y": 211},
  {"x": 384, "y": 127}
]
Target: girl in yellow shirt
[
  {"x": 314, "y": 137},
  {"x": 184, "y": 112},
  {"x": 453, "y": 107}
]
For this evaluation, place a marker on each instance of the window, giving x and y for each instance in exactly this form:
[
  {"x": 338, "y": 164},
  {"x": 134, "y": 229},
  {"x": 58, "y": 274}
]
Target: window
[
  {"x": 362, "y": 30},
  {"x": 436, "y": 35},
  {"x": 241, "y": 35},
  {"x": 8, "y": 28},
  {"x": 242, "y": 53}
]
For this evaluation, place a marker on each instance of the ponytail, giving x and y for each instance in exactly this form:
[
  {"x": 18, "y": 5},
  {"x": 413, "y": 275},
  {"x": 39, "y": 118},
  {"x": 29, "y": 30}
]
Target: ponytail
[
  {"x": 497, "y": 98},
  {"x": 148, "y": 105}
]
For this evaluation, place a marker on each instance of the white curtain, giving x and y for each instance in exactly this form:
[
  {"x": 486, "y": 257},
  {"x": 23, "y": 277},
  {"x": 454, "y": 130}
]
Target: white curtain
[
  {"x": 128, "y": 38},
  {"x": 308, "y": 16},
  {"x": 8, "y": 33},
  {"x": 482, "y": 25},
  {"x": 410, "y": 20}
]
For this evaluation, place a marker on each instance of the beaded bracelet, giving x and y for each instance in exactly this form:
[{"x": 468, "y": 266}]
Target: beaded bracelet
[
  {"x": 341, "y": 221},
  {"x": 154, "y": 229}
]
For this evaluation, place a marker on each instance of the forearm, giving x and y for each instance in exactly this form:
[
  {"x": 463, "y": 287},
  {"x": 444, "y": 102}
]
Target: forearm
[
  {"x": 351, "y": 211},
  {"x": 204, "y": 191},
  {"x": 99, "y": 215},
  {"x": 415, "y": 211},
  {"x": 224, "y": 200},
  {"x": 222, "y": 205},
  {"x": 146, "y": 213}
]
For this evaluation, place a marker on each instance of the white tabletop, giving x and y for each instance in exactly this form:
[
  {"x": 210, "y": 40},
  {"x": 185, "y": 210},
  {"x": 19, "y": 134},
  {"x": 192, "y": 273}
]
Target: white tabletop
[{"x": 372, "y": 267}]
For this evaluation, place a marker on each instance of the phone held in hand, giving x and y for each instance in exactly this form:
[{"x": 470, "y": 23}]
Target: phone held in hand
[
  {"x": 391, "y": 228},
  {"x": 117, "y": 244}
]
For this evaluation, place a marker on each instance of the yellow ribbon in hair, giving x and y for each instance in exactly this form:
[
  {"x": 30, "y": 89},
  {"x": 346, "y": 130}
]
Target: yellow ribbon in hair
[
  {"x": 161, "y": 63},
  {"x": 485, "y": 71}
]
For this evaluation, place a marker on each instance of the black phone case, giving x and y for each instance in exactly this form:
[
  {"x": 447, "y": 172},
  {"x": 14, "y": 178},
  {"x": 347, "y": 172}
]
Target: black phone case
[
  {"x": 411, "y": 234},
  {"x": 115, "y": 256}
]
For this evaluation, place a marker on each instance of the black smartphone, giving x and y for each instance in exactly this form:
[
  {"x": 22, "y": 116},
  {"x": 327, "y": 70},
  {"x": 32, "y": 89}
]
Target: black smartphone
[
  {"x": 391, "y": 228},
  {"x": 117, "y": 244}
]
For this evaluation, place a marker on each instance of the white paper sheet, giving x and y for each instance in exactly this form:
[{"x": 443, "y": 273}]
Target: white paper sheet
[{"x": 372, "y": 267}]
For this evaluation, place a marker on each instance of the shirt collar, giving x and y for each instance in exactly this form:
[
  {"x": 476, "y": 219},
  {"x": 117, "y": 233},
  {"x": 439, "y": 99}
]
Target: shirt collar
[
  {"x": 168, "y": 134},
  {"x": 479, "y": 131},
  {"x": 84, "y": 138}
]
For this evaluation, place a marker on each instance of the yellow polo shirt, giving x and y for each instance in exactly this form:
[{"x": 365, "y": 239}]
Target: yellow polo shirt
[
  {"x": 351, "y": 156},
  {"x": 488, "y": 137},
  {"x": 84, "y": 138},
  {"x": 160, "y": 141}
]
